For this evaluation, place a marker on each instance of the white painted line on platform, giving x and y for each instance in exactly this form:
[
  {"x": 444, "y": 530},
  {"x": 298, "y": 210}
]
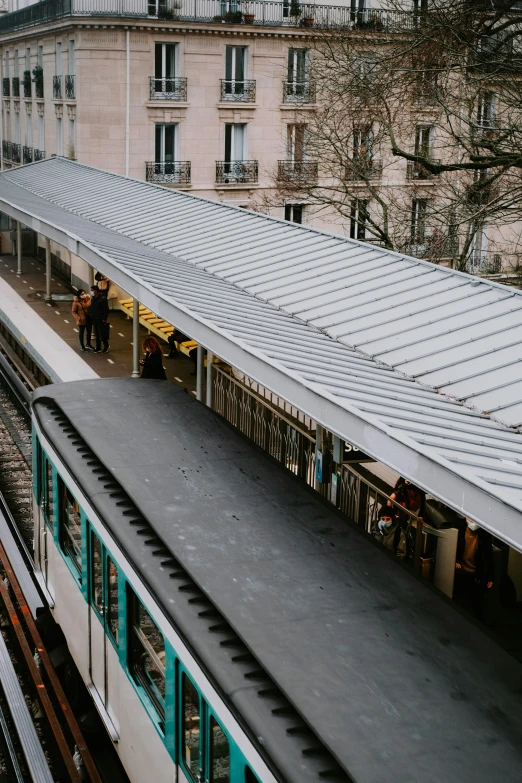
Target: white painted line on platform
[
  {"x": 31, "y": 287},
  {"x": 66, "y": 321},
  {"x": 121, "y": 335},
  {"x": 194, "y": 393},
  {"x": 178, "y": 379},
  {"x": 110, "y": 360},
  {"x": 132, "y": 343},
  {"x": 61, "y": 286},
  {"x": 38, "y": 294},
  {"x": 52, "y": 278},
  {"x": 49, "y": 304},
  {"x": 57, "y": 312},
  {"x": 24, "y": 281},
  {"x": 75, "y": 329}
]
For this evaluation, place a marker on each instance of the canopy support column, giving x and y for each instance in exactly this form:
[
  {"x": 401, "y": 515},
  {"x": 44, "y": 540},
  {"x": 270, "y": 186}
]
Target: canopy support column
[
  {"x": 200, "y": 369},
  {"x": 48, "y": 295},
  {"x": 208, "y": 395},
  {"x": 19, "y": 247},
  {"x": 318, "y": 447},
  {"x": 135, "y": 339}
]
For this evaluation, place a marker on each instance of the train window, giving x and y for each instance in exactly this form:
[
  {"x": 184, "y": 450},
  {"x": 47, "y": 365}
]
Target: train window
[
  {"x": 96, "y": 574},
  {"x": 148, "y": 656},
  {"x": 112, "y": 600},
  {"x": 49, "y": 495},
  {"x": 191, "y": 727},
  {"x": 70, "y": 528},
  {"x": 249, "y": 776},
  {"x": 219, "y": 754}
]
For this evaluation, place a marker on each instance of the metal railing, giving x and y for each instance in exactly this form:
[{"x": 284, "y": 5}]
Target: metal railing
[
  {"x": 433, "y": 246},
  {"x": 265, "y": 13},
  {"x": 363, "y": 169},
  {"x": 16, "y": 153},
  {"x": 230, "y": 172},
  {"x": 27, "y": 154},
  {"x": 16, "y": 87},
  {"x": 172, "y": 173},
  {"x": 294, "y": 447},
  {"x": 298, "y": 92},
  {"x": 416, "y": 170},
  {"x": 244, "y": 91},
  {"x": 27, "y": 84},
  {"x": 6, "y": 87},
  {"x": 70, "y": 87},
  {"x": 170, "y": 89},
  {"x": 487, "y": 262},
  {"x": 304, "y": 171},
  {"x": 39, "y": 155},
  {"x": 57, "y": 88},
  {"x": 7, "y": 150}
]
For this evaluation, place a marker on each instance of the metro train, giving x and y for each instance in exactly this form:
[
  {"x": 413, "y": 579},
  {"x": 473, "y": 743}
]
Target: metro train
[{"x": 231, "y": 626}]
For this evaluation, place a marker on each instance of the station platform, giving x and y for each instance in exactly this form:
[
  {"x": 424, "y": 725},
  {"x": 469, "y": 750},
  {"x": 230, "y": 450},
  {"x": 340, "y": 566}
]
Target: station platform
[{"x": 117, "y": 363}]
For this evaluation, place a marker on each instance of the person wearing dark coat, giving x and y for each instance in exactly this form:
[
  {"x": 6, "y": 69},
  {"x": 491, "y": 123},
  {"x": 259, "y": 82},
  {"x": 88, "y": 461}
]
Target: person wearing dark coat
[
  {"x": 474, "y": 566},
  {"x": 152, "y": 364},
  {"x": 99, "y": 318}
]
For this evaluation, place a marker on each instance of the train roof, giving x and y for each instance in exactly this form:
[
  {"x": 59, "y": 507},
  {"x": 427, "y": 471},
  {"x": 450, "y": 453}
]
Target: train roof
[{"x": 395, "y": 683}]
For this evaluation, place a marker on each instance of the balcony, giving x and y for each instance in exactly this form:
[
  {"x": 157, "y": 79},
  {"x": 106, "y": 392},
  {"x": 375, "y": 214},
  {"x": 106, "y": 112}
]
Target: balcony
[
  {"x": 171, "y": 89},
  {"x": 236, "y": 172},
  {"x": 70, "y": 93},
  {"x": 7, "y": 149},
  {"x": 27, "y": 154},
  {"x": 172, "y": 173},
  {"x": 6, "y": 85},
  {"x": 16, "y": 87},
  {"x": 433, "y": 245},
  {"x": 298, "y": 92},
  {"x": 297, "y": 171},
  {"x": 16, "y": 152},
  {"x": 27, "y": 84},
  {"x": 57, "y": 88},
  {"x": 39, "y": 155},
  {"x": 244, "y": 92},
  {"x": 416, "y": 171},
  {"x": 362, "y": 169}
]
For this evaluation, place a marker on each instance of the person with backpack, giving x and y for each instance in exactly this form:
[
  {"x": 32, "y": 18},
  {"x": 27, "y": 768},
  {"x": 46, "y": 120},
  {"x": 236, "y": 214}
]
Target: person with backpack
[
  {"x": 100, "y": 316},
  {"x": 390, "y": 534},
  {"x": 81, "y": 310}
]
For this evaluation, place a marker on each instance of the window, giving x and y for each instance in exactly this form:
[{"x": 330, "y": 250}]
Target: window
[
  {"x": 41, "y": 132},
  {"x": 6, "y": 65},
  {"x": 219, "y": 754},
  {"x": 296, "y": 141},
  {"x": 59, "y": 136},
  {"x": 249, "y": 776},
  {"x": 28, "y": 131},
  {"x": 16, "y": 64},
  {"x": 419, "y": 208},
  {"x": 366, "y": 67},
  {"x": 71, "y": 150},
  {"x": 424, "y": 141},
  {"x": 70, "y": 528},
  {"x": 486, "y": 110},
  {"x": 191, "y": 727},
  {"x": 235, "y": 143},
  {"x": 362, "y": 142},
  {"x": 96, "y": 574},
  {"x": 28, "y": 59},
  {"x": 40, "y": 56},
  {"x": 147, "y": 652},
  {"x": 72, "y": 63},
  {"x": 112, "y": 599},
  {"x": 166, "y": 143},
  {"x": 49, "y": 508},
  {"x": 17, "y": 128},
  {"x": 298, "y": 69},
  {"x": 359, "y": 216},
  {"x": 235, "y": 63},
  {"x": 294, "y": 213},
  {"x": 165, "y": 62},
  {"x": 58, "y": 59}
]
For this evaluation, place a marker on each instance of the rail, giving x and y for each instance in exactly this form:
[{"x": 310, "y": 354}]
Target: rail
[{"x": 264, "y": 13}]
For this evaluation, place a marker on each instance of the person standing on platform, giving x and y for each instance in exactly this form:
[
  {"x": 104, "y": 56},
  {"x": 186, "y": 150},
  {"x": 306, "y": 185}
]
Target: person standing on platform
[
  {"x": 81, "y": 310},
  {"x": 100, "y": 316},
  {"x": 474, "y": 566},
  {"x": 152, "y": 364}
]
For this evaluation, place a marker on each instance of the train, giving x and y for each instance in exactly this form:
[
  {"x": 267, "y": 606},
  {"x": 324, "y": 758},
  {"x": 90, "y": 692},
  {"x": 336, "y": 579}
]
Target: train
[{"x": 231, "y": 626}]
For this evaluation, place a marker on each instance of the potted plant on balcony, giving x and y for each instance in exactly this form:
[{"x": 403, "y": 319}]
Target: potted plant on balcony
[
  {"x": 248, "y": 14},
  {"x": 233, "y": 17},
  {"x": 308, "y": 18},
  {"x": 38, "y": 80},
  {"x": 26, "y": 81},
  {"x": 295, "y": 10}
]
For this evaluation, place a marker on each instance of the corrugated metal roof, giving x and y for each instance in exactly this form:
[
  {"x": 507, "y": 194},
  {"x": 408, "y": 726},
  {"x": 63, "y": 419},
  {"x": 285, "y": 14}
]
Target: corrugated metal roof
[{"x": 328, "y": 312}]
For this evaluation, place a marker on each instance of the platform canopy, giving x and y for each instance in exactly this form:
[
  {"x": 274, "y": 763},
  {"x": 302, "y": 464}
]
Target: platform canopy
[{"x": 417, "y": 365}]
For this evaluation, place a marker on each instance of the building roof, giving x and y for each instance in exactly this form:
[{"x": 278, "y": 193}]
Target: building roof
[{"x": 367, "y": 342}]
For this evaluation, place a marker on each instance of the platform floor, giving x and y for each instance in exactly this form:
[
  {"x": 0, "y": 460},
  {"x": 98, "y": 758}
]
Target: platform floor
[{"x": 117, "y": 363}]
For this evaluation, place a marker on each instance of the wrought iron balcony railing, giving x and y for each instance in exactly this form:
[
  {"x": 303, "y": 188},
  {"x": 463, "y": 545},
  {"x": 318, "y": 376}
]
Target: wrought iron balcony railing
[
  {"x": 300, "y": 171},
  {"x": 16, "y": 87},
  {"x": 433, "y": 245},
  {"x": 171, "y": 89},
  {"x": 268, "y": 13},
  {"x": 16, "y": 152},
  {"x": 232, "y": 90},
  {"x": 363, "y": 169},
  {"x": 57, "y": 88},
  {"x": 173, "y": 173},
  {"x": 415, "y": 170},
  {"x": 38, "y": 89},
  {"x": 27, "y": 84},
  {"x": 490, "y": 262},
  {"x": 6, "y": 87},
  {"x": 39, "y": 155},
  {"x": 7, "y": 150},
  {"x": 231, "y": 172},
  {"x": 27, "y": 154},
  {"x": 298, "y": 92},
  {"x": 70, "y": 87}
]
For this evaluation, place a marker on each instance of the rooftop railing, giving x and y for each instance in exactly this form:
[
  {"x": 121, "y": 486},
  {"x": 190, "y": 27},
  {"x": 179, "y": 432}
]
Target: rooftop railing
[{"x": 265, "y": 13}]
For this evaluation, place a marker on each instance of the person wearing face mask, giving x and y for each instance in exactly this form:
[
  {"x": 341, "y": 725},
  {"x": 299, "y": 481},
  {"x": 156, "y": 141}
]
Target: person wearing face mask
[
  {"x": 474, "y": 566},
  {"x": 100, "y": 315},
  {"x": 389, "y": 533},
  {"x": 81, "y": 310}
]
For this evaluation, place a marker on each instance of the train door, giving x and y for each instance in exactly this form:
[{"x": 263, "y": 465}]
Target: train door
[
  {"x": 47, "y": 529},
  {"x": 103, "y": 591}
]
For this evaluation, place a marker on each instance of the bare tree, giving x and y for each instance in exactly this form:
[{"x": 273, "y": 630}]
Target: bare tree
[{"x": 417, "y": 128}]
